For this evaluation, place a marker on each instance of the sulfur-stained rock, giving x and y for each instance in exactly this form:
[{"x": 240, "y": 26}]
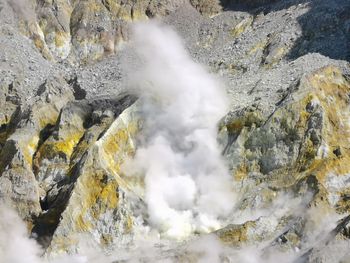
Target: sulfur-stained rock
[
  {"x": 297, "y": 134},
  {"x": 235, "y": 234},
  {"x": 91, "y": 29},
  {"x": 65, "y": 127},
  {"x": 18, "y": 184},
  {"x": 54, "y": 20},
  {"x": 207, "y": 7},
  {"x": 261, "y": 229},
  {"x": 99, "y": 27},
  {"x": 97, "y": 205},
  {"x": 83, "y": 186},
  {"x": 86, "y": 30},
  {"x": 16, "y": 157},
  {"x": 52, "y": 159},
  {"x": 8, "y": 117},
  {"x": 295, "y": 149}
]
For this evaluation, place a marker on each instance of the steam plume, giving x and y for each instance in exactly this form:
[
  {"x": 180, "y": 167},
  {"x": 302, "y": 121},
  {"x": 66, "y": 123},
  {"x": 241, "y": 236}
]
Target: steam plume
[
  {"x": 17, "y": 247},
  {"x": 14, "y": 244},
  {"x": 188, "y": 187}
]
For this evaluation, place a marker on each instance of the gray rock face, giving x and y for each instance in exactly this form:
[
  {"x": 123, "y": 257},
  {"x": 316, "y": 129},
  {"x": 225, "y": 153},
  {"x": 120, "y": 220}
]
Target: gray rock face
[
  {"x": 68, "y": 120},
  {"x": 21, "y": 144}
]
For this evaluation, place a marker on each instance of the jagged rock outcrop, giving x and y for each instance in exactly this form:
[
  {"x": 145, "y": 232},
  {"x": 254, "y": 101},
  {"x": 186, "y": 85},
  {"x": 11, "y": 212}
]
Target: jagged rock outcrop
[
  {"x": 17, "y": 177},
  {"x": 94, "y": 184},
  {"x": 301, "y": 148},
  {"x": 83, "y": 31}
]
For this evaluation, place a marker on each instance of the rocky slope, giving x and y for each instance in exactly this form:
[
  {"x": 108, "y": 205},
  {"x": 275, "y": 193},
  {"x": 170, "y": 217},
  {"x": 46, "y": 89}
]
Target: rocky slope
[{"x": 68, "y": 121}]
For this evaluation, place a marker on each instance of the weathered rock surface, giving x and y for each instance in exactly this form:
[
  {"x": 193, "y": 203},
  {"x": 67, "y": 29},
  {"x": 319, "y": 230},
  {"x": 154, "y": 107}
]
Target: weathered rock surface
[
  {"x": 17, "y": 179},
  {"x": 94, "y": 184},
  {"x": 297, "y": 149},
  {"x": 88, "y": 30},
  {"x": 67, "y": 125}
]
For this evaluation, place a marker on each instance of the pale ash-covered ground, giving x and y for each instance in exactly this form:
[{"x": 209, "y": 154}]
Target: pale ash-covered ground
[
  {"x": 285, "y": 66},
  {"x": 263, "y": 50}
]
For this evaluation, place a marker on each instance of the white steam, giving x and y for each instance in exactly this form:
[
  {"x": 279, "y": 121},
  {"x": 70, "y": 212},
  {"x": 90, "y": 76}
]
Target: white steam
[
  {"x": 14, "y": 244},
  {"x": 188, "y": 187},
  {"x": 17, "y": 247}
]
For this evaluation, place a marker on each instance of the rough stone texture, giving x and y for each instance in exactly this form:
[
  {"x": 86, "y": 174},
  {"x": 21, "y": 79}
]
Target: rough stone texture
[
  {"x": 54, "y": 20},
  {"x": 18, "y": 181},
  {"x": 78, "y": 166},
  {"x": 298, "y": 148},
  {"x": 66, "y": 123},
  {"x": 99, "y": 190},
  {"x": 83, "y": 30}
]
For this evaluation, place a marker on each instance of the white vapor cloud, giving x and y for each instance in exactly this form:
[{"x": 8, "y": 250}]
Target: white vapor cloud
[
  {"x": 187, "y": 185},
  {"x": 15, "y": 246}
]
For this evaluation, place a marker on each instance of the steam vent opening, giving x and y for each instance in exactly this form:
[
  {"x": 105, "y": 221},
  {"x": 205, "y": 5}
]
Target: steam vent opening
[{"x": 174, "y": 131}]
